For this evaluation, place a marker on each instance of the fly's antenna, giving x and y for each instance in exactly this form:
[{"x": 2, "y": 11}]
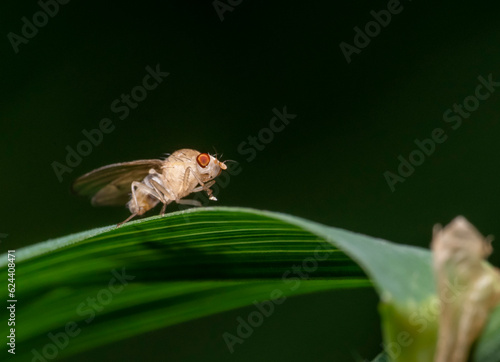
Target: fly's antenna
[{"x": 216, "y": 153}]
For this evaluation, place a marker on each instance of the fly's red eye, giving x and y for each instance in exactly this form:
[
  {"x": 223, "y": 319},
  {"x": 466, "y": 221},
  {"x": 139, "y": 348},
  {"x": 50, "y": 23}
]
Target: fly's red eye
[{"x": 203, "y": 159}]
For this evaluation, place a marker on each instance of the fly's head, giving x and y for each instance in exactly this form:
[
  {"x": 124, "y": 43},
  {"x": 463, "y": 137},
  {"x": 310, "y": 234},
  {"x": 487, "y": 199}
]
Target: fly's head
[{"x": 208, "y": 166}]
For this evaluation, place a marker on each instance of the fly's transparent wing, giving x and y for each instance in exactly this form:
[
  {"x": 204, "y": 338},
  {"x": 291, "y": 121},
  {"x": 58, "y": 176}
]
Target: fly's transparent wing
[{"x": 110, "y": 185}]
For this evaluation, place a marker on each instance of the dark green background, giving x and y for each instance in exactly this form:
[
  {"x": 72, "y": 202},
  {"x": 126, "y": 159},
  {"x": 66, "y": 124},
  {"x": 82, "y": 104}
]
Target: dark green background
[{"x": 353, "y": 121}]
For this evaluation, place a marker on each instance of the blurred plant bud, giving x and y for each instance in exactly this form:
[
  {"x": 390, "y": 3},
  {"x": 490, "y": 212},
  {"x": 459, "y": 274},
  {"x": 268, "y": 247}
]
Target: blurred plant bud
[{"x": 468, "y": 287}]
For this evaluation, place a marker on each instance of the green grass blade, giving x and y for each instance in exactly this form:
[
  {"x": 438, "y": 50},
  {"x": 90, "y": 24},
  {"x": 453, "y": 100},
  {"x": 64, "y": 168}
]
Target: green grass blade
[
  {"x": 184, "y": 266},
  {"x": 192, "y": 264}
]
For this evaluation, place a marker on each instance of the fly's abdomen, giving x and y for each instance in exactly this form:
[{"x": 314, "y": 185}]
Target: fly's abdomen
[{"x": 144, "y": 203}]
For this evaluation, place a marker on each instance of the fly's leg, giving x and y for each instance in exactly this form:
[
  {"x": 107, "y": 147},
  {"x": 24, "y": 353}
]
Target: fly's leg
[
  {"x": 189, "y": 202},
  {"x": 204, "y": 186},
  {"x": 161, "y": 189},
  {"x": 147, "y": 190},
  {"x": 127, "y": 219},
  {"x": 140, "y": 210},
  {"x": 162, "y": 212}
]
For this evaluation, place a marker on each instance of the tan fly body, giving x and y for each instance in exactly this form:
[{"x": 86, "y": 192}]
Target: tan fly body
[{"x": 142, "y": 184}]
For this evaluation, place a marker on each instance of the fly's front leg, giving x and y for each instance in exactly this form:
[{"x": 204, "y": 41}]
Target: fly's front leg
[{"x": 204, "y": 186}]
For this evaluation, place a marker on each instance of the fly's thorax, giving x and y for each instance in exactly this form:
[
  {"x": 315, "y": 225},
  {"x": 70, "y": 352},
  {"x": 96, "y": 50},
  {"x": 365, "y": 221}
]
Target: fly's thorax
[{"x": 177, "y": 180}]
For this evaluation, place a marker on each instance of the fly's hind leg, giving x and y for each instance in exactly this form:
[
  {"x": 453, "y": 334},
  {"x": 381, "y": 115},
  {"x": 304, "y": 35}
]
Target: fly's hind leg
[
  {"x": 126, "y": 220},
  {"x": 136, "y": 209}
]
